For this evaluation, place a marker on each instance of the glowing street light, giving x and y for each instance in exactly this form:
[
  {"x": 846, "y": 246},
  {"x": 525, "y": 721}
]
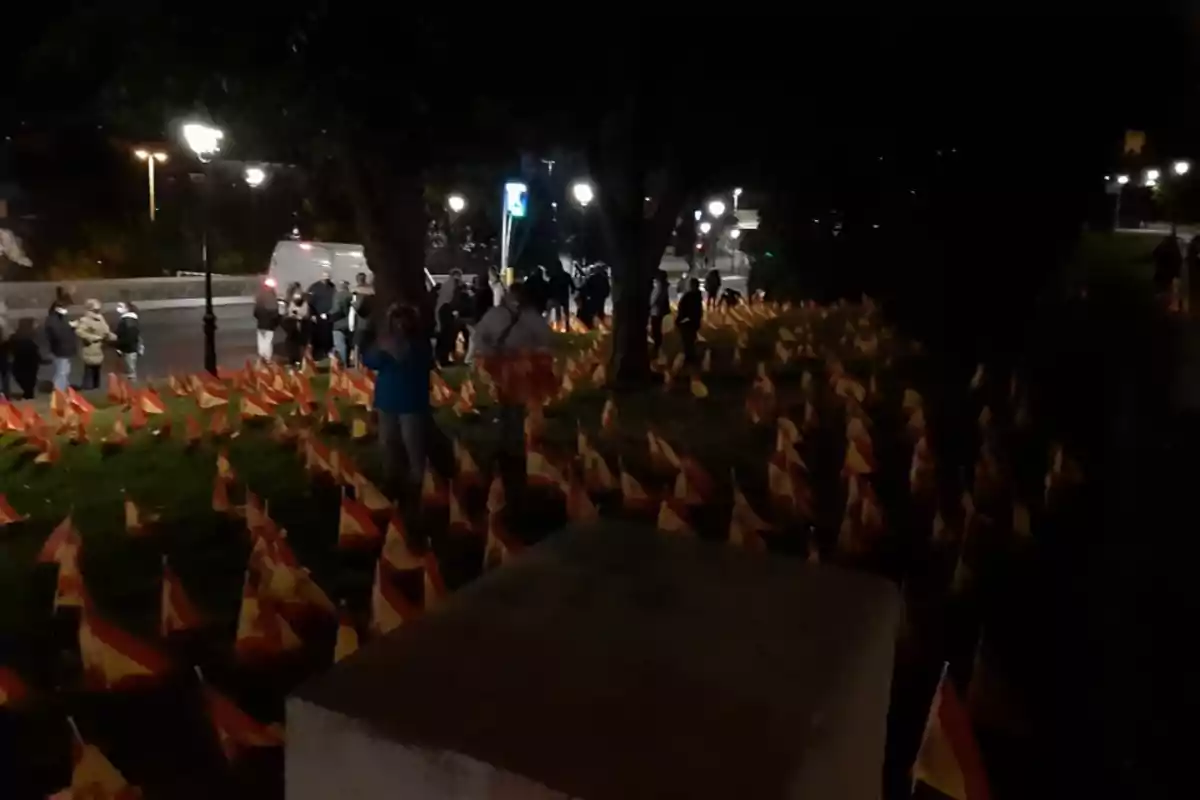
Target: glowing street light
[
  {"x": 1181, "y": 167},
  {"x": 456, "y": 203},
  {"x": 698, "y": 214},
  {"x": 1152, "y": 176},
  {"x": 1122, "y": 179},
  {"x": 717, "y": 208},
  {"x": 583, "y": 193},
  {"x": 705, "y": 226},
  {"x": 203, "y": 140},
  {"x": 736, "y": 194},
  {"x": 255, "y": 177},
  {"x": 736, "y": 233},
  {"x": 151, "y": 158}
]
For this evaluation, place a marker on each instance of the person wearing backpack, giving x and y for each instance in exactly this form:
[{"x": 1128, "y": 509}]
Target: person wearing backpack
[{"x": 129, "y": 339}]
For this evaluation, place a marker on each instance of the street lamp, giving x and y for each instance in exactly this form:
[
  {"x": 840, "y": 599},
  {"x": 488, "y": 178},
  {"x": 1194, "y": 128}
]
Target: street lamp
[
  {"x": 1152, "y": 176},
  {"x": 457, "y": 203},
  {"x": 716, "y": 208},
  {"x": 735, "y": 234},
  {"x": 151, "y": 158},
  {"x": 255, "y": 177},
  {"x": 705, "y": 226},
  {"x": 736, "y": 194},
  {"x": 697, "y": 214},
  {"x": 1122, "y": 179},
  {"x": 205, "y": 141},
  {"x": 583, "y": 193},
  {"x": 1181, "y": 167}
]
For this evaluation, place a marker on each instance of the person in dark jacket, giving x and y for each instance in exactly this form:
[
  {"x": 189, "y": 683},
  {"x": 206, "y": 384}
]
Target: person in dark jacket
[
  {"x": 340, "y": 320},
  {"x": 402, "y": 359},
  {"x": 601, "y": 290},
  {"x": 320, "y": 307},
  {"x": 129, "y": 338},
  {"x": 296, "y": 325},
  {"x": 25, "y": 358},
  {"x": 660, "y": 306},
  {"x": 62, "y": 341},
  {"x": 266, "y": 319},
  {"x": 688, "y": 318},
  {"x": 362, "y": 306},
  {"x": 712, "y": 288}
]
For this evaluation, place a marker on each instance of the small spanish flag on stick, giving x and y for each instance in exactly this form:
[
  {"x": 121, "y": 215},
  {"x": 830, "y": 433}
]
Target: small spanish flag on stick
[
  {"x": 236, "y": 730},
  {"x": 112, "y": 658},
  {"x": 178, "y": 613},
  {"x": 949, "y": 759}
]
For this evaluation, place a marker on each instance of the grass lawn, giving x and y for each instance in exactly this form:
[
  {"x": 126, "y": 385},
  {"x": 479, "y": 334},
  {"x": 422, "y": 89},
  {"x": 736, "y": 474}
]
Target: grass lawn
[{"x": 159, "y": 737}]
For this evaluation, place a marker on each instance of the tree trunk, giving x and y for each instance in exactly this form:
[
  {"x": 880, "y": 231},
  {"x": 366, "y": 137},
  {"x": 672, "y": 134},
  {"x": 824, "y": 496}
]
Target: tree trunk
[{"x": 388, "y": 197}]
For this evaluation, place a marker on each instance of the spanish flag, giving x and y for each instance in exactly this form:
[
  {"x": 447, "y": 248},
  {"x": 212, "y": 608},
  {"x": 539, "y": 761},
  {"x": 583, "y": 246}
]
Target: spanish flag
[
  {"x": 662, "y": 455},
  {"x": 540, "y": 472},
  {"x": 369, "y": 495},
  {"x": 634, "y": 498},
  {"x": 608, "y": 417},
  {"x": 317, "y": 457},
  {"x": 396, "y": 553},
  {"x": 435, "y": 588},
  {"x": 220, "y": 496},
  {"x": 80, "y": 403},
  {"x": 94, "y": 777},
  {"x": 64, "y": 536},
  {"x": 949, "y": 759},
  {"x": 59, "y": 403},
  {"x": 150, "y": 402},
  {"x": 281, "y": 433},
  {"x": 224, "y": 468},
  {"x": 10, "y": 418},
  {"x": 857, "y": 462},
  {"x": 460, "y": 523},
  {"x": 596, "y": 474},
  {"x": 346, "y": 643},
  {"x": 253, "y": 407},
  {"x": 219, "y": 426},
  {"x": 137, "y": 417},
  {"x": 468, "y": 470},
  {"x": 135, "y": 519},
  {"x": 210, "y": 396},
  {"x": 670, "y": 520},
  {"x": 580, "y": 507},
  {"x": 236, "y": 730},
  {"x": 68, "y": 590},
  {"x": 256, "y": 514},
  {"x": 176, "y": 386},
  {"x": 433, "y": 489},
  {"x": 262, "y": 633},
  {"x": 699, "y": 390},
  {"x": 332, "y": 415},
  {"x": 178, "y": 613},
  {"x": 119, "y": 436},
  {"x": 356, "y": 529},
  {"x": 113, "y": 659},
  {"x": 389, "y": 607},
  {"x": 12, "y": 689},
  {"x": 501, "y": 545},
  {"x": 358, "y": 428},
  {"x": 496, "y": 501}
]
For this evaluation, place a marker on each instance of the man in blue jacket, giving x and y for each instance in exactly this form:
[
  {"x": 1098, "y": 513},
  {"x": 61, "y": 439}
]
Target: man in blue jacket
[{"x": 402, "y": 359}]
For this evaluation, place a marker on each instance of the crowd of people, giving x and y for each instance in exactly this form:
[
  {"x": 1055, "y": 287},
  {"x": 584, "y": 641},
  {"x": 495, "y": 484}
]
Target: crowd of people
[
  {"x": 86, "y": 339},
  {"x": 331, "y": 318}
]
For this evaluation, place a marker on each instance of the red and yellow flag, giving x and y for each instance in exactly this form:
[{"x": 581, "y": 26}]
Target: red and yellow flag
[
  {"x": 369, "y": 495},
  {"x": 12, "y": 689},
  {"x": 79, "y": 403},
  {"x": 119, "y": 436},
  {"x": 94, "y": 777},
  {"x": 359, "y": 429},
  {"x": 150, "y": 402},
  {"x": 949, "y": 759},
  {"x": 634, "y": 498},
  {"x": 211, "y": 396},
  {"x": 236, "y": 730},
  {"x": 501, "y": 545},
  {"x": 396, "y": 554},
  {"x": 253, "y": 407},
  {"x": 389, "y": 607},
  {"x": 580, "y": 507},
  {"x": 7, "y": 514},
  {"x": 356, "y": 529},
  {"x": 608, "y": 417},
  {"x": 178, "y": 613},
  {"x": 540, "y": 472},
  {"x": 346, "y": 643},
  {"x": 10, "y": 418},
  {"x": 114, "y": 659},
  {"x": 662, "y": 455},
  {"x": 671, "y": 519},
  {"x": 262, "y": 632},
  {"x": 597, "y": 477},
  {"x": 64, "y": 536}
]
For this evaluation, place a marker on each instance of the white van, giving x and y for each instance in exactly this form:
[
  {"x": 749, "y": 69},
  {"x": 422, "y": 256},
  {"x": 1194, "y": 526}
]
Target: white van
[{"x": 303, "y": 263}]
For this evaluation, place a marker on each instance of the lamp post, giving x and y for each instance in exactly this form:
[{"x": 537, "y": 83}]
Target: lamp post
[
  {"x": 734, "y": 236},
  {"x": 455, "y": 205},
  {"x": 205, "y": 141},
  {"x": 584, "y": 194},
  {"x": 716, "y": 208},
  {"x": 255, "y": 177},
  {"x": 151, "y": 158}
]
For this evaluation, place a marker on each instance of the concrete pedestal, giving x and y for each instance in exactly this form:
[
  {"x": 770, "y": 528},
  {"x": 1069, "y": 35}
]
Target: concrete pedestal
[{"x": 614, "y": 663}]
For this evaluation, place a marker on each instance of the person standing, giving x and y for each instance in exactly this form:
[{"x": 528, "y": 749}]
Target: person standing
[
  {"x": 602, "y": 290},
  {"x": 445, "y": 313},
  {"x": 712, "y": 288},
  {"x": 5, "y": 335},
  {"x": 129, "y": 339},
  {"x": 340, "y": 320},
  {"x": 266, "y": 320},
  {"x": 93, "y": 331},
  {"x": 320, "y": 307},
  {"x": 361, "y": 307},
  {"x": 296, "y": 325},
  {"x": 25, "y": 357},
  {"x": 62, "y": 341},
  {"x": 402, "y": 359},
  {"x": 660, "y": 306},
  {"x": 688, "y": 318}
]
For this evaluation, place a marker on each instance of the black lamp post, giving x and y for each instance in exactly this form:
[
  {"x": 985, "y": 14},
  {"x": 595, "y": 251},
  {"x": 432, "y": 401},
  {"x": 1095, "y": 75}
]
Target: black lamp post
[{"x": 205, "y": 141}]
